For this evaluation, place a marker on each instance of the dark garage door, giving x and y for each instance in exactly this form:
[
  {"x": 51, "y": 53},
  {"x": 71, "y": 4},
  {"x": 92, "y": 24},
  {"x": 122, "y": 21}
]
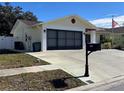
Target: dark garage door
[{"x": 61, "y": 39}]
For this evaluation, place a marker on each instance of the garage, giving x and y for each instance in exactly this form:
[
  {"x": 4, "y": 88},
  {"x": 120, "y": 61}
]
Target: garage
[{"x": 63, "y": 39}]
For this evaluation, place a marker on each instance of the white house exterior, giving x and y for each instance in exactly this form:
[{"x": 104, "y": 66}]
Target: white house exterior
[{"x": 63, "y": 33}]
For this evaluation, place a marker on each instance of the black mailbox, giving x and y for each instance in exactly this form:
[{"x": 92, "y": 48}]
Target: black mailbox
[{"x": 93, "y": 46}]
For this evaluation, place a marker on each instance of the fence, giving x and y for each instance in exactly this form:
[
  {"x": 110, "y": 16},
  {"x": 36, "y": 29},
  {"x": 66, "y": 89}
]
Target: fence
[{"x": 6, "y": 42}]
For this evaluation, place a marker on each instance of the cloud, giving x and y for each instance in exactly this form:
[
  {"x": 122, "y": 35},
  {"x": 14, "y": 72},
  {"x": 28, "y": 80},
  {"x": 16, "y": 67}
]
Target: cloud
[{"x": 107, "y": 22}]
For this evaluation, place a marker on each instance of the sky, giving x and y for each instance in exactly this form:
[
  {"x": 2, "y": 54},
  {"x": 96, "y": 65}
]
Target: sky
[{"x": 98, "y": 13}]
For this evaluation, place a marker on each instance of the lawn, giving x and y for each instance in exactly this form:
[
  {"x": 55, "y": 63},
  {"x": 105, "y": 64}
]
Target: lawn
[
  {"x": 40, "y": 81},
  {"x": 17, "y": 60}
]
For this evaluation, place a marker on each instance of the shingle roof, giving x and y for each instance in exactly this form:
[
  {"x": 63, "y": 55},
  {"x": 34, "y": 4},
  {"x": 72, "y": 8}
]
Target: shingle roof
[
  {"x": 115, "y": 30},
  {"x": 30, "y": 23}
]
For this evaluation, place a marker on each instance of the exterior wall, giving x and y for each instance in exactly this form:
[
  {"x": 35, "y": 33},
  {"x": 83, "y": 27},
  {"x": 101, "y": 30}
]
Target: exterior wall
[
  {"x": 66, "y": 24},
  {"x": 118, "y": 39},
  {"x": 106, "y": 35},
  {"x": 62, "y": 25},
  {"x": 20, "y": 35},
  {"x": 6, "y": 42},
  {"x": 97, "y": 38}
]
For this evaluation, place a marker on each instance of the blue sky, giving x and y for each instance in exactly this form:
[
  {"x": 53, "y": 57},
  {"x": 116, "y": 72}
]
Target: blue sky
[{"x": 90, "y": 11}]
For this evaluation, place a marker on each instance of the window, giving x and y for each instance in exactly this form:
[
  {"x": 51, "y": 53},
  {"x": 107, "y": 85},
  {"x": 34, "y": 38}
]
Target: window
[{"x": 73, "y": 21}]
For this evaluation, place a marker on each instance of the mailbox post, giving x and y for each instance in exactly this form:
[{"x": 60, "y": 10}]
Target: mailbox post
[
  {"x": 86, "y": 65},
  {"x": 90, "y": 47}
]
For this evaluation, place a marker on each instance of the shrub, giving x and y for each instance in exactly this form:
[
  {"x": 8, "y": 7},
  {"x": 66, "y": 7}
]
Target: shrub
[{"x": 106, "y": 45}]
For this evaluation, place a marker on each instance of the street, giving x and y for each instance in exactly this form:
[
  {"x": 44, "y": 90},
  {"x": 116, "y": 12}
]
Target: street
[{"x": 113, "y": 86}]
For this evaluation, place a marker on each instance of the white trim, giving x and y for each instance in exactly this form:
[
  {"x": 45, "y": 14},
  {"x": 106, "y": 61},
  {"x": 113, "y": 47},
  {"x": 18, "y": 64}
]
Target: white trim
[
  {"x": 43, "y": 39},
  {"x": 84, "y": 44},
  {"x": 93, "y": 36}
]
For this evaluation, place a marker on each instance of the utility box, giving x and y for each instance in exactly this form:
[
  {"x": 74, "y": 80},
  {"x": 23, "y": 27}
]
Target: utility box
[
  {"x": 19, "y": 45},
  {"x": 93, "y": 46}
]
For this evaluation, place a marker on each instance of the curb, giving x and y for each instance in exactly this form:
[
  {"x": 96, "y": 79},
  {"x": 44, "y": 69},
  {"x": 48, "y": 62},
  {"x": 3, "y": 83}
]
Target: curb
[{"x": 98, "y": 84}]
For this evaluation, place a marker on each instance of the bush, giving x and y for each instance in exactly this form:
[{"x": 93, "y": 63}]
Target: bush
[
  {"x": 107, "y": 40},
  {"x": 106, "y": 45}
]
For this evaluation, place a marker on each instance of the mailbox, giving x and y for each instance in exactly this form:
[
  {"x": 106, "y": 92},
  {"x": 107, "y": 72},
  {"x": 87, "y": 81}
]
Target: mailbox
[{"x": 93, "y": 46}]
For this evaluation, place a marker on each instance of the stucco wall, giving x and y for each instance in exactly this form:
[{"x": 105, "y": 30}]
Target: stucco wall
[
  {"x": 66, "y": 24},
  {"x": 118, "y": 39},
  {"x": 98, "y": 38},
  {"x": 20, "y": 35}
]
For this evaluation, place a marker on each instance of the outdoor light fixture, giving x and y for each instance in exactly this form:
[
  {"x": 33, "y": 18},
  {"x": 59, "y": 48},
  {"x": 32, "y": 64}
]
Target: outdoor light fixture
[{"x": 44, "y": 30}]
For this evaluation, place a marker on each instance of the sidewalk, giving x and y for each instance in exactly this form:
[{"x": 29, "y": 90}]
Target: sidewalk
[{"x": 14, "y": 71}]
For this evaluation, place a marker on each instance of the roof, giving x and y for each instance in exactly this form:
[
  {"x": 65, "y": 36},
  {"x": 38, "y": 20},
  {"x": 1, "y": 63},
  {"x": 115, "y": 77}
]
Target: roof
[
  {"x": 33, "y": 24},
  {"x": 30, "y": 23},
  {"x": 114, "y": 30},
  {"x": 85, "y": 22}
]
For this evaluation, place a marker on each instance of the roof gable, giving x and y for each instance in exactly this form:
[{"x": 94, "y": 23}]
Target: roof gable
[
  {"x": 32, "y": 24},
  {"x": 83, "y": 22}
]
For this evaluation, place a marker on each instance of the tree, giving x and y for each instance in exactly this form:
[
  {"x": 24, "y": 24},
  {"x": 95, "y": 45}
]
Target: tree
[{"x": 9, "y": 15}]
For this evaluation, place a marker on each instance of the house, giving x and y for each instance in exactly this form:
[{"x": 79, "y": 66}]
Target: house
[
  {"x": 63, "y": 33},
  {"x": 115, "y": 35}
]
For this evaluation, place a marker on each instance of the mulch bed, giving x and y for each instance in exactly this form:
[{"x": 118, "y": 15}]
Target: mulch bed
[{"x": 40, "y": 81}]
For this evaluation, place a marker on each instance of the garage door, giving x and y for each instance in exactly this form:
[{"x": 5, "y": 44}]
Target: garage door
[{"x": 62, "y": 39}]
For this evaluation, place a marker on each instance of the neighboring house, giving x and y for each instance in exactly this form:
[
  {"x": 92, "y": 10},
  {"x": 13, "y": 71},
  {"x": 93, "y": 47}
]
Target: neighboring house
[
  {"x": 63, "y": 33},
  {"x": 114, "y": 34}
]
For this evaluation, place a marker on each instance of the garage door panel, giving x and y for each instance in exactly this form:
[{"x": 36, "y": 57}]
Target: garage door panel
[
  {"x": 61, "y": 35},
  {"x": 78, "y": 35},
  {"x": 61, "y": 42},
  {"x": 70, "y": 43},
  {"x": 52, "y": 34},
  {"x": 77, "y": 42},
  {"x": 52, "y": 42},
  {"x": 70, "y": 35}
]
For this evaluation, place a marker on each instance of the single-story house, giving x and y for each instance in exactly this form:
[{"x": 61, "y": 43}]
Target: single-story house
[
  {"x": 63, "y": 33},
  {"x": 114, "y": 34}
]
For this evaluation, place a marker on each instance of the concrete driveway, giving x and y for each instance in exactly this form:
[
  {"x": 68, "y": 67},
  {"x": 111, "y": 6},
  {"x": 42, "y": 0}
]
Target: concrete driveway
[{"x": 103, "y": 64}]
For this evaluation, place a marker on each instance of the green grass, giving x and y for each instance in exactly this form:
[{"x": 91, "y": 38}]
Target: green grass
[
  {"x": 19, "y": 60},
  {"x": 39, "y": 81}
]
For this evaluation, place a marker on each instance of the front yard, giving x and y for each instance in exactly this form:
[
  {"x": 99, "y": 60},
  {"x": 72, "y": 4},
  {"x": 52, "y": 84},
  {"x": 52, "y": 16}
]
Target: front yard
[
  {"x": 19, "y": 60},
  {"x": 49, "y": 80},
  {"x": 39, "y": 81}
]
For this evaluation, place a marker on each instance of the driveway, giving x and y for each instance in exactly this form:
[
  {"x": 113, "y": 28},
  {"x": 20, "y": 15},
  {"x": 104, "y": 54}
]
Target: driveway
[{"x": 103, "y": 64}]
